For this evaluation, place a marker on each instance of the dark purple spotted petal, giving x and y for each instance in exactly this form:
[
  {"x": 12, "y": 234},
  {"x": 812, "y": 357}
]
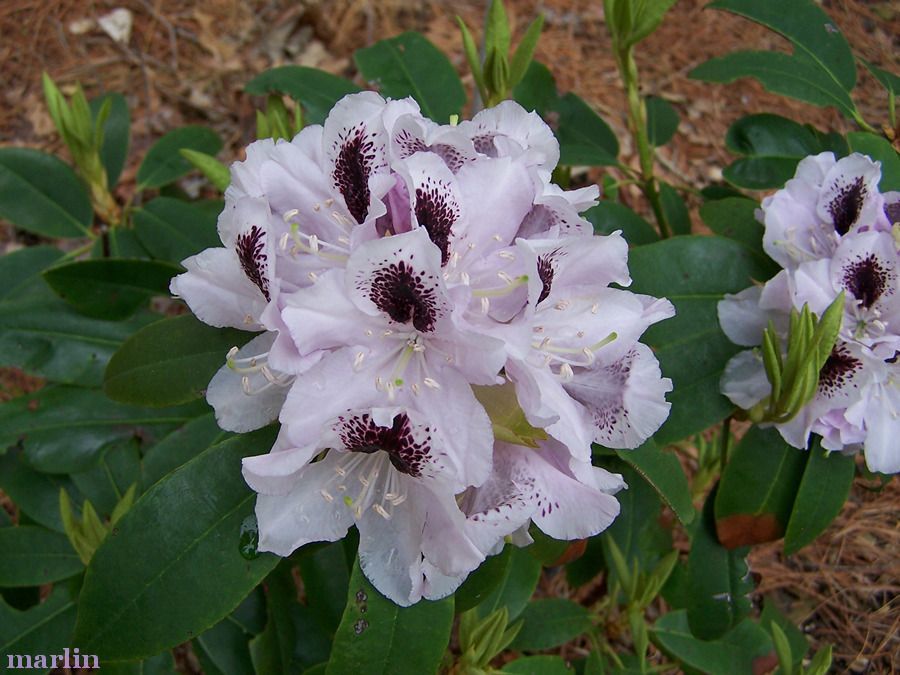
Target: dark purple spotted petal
[
  {"x": 409, "y": 449},
  {"x": 251, "y": 246}
]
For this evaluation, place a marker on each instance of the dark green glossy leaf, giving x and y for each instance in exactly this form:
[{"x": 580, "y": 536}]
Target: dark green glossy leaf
[
  {"x": 179, "y": 447},
  {"x": 482, "y": 581},
  {"x": 272, "y": 651},
  {"x": 224, "y": 649},
  {"x": 584, "y": 138},
  {"x": 110, "y": 288},
  {"x": 116, "y": 135},
  {"x": 41, "y": 194},
  {"x": 43, "y": 629},
  {"x": 377, "y": 636},
  {"x": 326, "y": 577},
  {"x": 878, "y": 149},
  {"x": 169, "y": 362},
  {"x": 35, "y": 494},
  {"x": 675, "y": 209},
  {"x": 758, "y": 488},
  {"x": 118, "y": 467},
  {"x": 537, "y": 90},
  {"x": 172, "y": 229},
  {"x": 317, "y": 90},
  {"x": 161, "y": 664},
  {"x": 609, "y": 216},
  {"x": 796, "y": 639},
  {"x": 809, "y": 28},
  {"x": 550, "y": 622},
  {"x": 735, "y": 653},
  {"x": 44, "y": 336},
  {"x": 517, "y": 583},
  {"x": 718, "y": 581},
  {"x": 410, "y": 65},
  {"x": 63, "y": 429},
  {"x": 122, "y": 243},
  {"x": 768, "y": 135},
  {"x": 546, "y": 549},
  {"x": 735, "y": 218},
  {"x": 33, "y": 556},
  {"x": 20, "y": 272},
  {"x": 538, "y": 665},
  {"x": 694, "y": 273},
  {"x": 760, "y": 173},
  {"x": 779, "y": 73},
  {"x": 662, "y": 120},
  {"x": 887, "y": 79},
  {"x": 663, "y": 471},
  {"x": 823, "y": 490},
  {"x": 189, "y": 574},
  {"x": 164, "y": 164}
]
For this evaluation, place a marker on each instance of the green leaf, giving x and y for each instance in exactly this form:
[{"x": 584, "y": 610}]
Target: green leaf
[
  {"x": 161, "y": 664},
  {"x": 525, "y": 51},
  {"x": 735, "y": 653},
  {"x": 550, "y": 622},
  {"x": 809, "y": 28},
  {"x": 410, "y": 65},
  {"x": 824, "y": 488},
  {"x": 315, "y": 89},
  {"x": 609, "y": 216},
  {"x": 496, "y": 29},
  {"x": 482, "y": 581},
  {"x": 880, "y": 150},
  {"x": 118, "y": 467},
  {"x": 179, "y": 447},
  {"x": 272, "y": 651},
  {"x": 35, "y": 494},
  {"x": 20, "y": 272},
  {"x": 172, "y": 229},
  {"x": 538, "y": 665},
  {"x": 771, "y": 616},
  {"x": 675, "y": 209},
  {"x": 646, "y": 18},
  {"x": 768, "y": 135},
  {"x": 779, "y": 73},
  {"x": 110, "y": 288},
  {"x": 326, "y": 578},
  {"x": 663, "y": 471},
  {"x": 63, "y": 429},
  {"x": 189, "y": 573},
  {"x": 517, "y": 583},
  {"x": 694, "y": 273},
  {"x": 224, "y": 649},
  {"x": 735, "y": 218},
  {"x": 43, "y": 629},
  {"x": 209, "y": 166},
  {"x": 584, "y": 138},
  {"x": 116, "y": 134},
  {"x": 164, "y": 164},
  {"x": 537, "y": 89},
  {"x": 378, "y": 636},
  {"x": 33, "y": 556},
  {"x": 718, "y": 580},
  {"x": 169, "y": 362},
  {"x": 887, "y": 79},
  {"x": 758, "y": 488},
  {"x": 41, "y": 194},
  {"x": 662, "y": 120}
]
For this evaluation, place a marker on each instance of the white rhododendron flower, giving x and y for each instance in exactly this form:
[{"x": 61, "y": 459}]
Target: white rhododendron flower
[
  {"x": 390, "y": 264},
  {"x": 833, "y": 232}
]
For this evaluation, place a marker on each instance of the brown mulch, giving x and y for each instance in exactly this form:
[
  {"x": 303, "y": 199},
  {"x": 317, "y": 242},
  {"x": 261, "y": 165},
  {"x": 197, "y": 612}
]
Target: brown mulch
[{"x": 187, "y": 62}]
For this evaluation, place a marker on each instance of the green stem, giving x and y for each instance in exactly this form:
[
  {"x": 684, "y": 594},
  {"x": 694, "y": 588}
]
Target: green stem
[{"x": 637, "y": 118}]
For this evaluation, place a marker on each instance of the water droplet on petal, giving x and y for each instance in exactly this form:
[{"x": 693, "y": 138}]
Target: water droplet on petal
[{"x": 249, "y": 538}]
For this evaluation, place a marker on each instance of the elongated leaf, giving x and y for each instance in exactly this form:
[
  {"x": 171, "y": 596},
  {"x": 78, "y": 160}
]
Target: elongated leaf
[
  {"x": 675, "y": 209},
  {"x": 807, "y": 27},
  {"x": 646, "y": 17},
  {"x": 662, "y": 120},
  {"x": 41, "y": 194},
  {"x": 33, "y": 556},
  {"x": 189, "y": 573},
  {"x": 663, "y": 471},
  {"x": 326, "y": 577},
  {"x": 43, "y": 629},
  {"x": 768, "y": 135},
  {"x": 117, "y": 468},
  {"x": 735, "y": 218},
  {"x": 164, "y": 164},
  {"x": 694, "y": 273},
  {"x": 272, "y": 651},
  {"x": 758, "y": 488},
  {"x": 482, "y": 581},
  {"x": 110, "y": 288},
  {"x": 116, "y": 135},
  {"x": 609, "y": 216},
  {"x": 735, "y": 653},
  {"x": 45, "y": 336},
  {"x": 878, "y": 149},
  {"x": 410, "y": 65},
  {"x": 718, "y": 581},
  {"x": 538, "y": 665},
  {"x": 537, "y": 89},
  {"x": 550, "y": 622},
  {"x": 779, "y": 73},
  {"x": 797, "y": 640},
  {"x": 317, "y": 90},
  {"x": 179, "y": 447},
  {"x": 584, "y": 138},
  {"x": 172, "y": 229},
  {"x": 35, "y": 494},
  {"x": 887, "y": 79},
  {"x": 517, "y": 582},
  {"x": 224, "y": 649},
  {"x": 20, "y": 272},
  {"x": 169, "y": 362},
  {"x": 63, "y": 429},
  {"x": 823, "y": 490},
  {"x": 377, "y": 636},
  {"x": 161, "y": 664}
]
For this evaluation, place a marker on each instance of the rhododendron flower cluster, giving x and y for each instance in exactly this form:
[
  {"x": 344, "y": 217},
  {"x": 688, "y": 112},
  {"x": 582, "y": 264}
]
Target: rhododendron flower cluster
[
  {"x": 393, "y": 268},
  {"x": 832, "y": 231}
]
